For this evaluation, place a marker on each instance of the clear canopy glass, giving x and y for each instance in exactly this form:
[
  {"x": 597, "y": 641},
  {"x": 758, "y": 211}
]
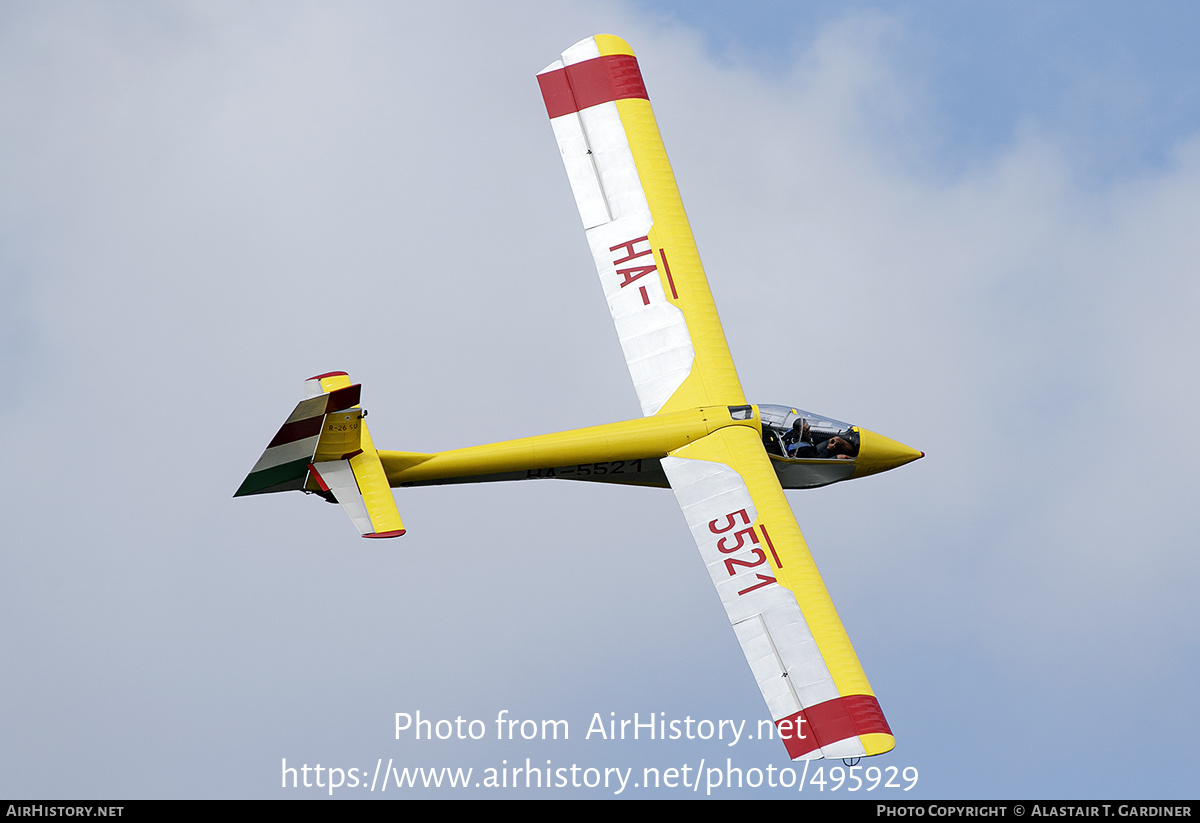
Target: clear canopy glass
[{"x": 797, "y": 434}]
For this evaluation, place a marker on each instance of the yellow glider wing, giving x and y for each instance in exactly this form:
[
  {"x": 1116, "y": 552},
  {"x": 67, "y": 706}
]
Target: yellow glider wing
[
  {"x": 678, "y": 358},
  {"x": 639, "y": 235},
  {"x": 815, "y": 688}
]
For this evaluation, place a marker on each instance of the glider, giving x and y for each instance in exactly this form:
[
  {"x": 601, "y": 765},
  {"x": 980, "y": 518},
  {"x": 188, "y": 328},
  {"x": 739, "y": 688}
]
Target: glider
[{"x": 726, "y": 460}]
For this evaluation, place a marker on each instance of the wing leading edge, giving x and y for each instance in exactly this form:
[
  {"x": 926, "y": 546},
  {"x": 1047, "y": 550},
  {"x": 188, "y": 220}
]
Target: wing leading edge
[{"x": 642, "y": 245}]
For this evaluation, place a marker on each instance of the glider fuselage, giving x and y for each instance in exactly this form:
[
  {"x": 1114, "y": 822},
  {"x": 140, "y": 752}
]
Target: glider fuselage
[{"x": 629, "y": 452}]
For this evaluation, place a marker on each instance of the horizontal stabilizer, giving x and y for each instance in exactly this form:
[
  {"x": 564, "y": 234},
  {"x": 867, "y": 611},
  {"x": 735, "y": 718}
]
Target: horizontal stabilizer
[{"x": 361, "y": 488}]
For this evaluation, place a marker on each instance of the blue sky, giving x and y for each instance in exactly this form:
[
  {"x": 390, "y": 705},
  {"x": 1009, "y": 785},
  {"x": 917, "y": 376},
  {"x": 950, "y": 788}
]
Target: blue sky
[
  {"x": 965, "y": 227},
  {"x": 1116, "y": 79}
]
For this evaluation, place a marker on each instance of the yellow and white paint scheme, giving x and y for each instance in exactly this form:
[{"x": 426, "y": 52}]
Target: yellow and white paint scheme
[{"x": 727, "y": 461}]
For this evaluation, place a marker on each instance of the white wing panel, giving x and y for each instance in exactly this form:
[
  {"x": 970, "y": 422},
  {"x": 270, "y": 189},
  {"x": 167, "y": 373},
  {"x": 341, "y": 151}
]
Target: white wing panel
[
  {"x": 769, "y": 624},
  {"x": 586, "y": 49},
  {"x": 653, "y": 332},
  {"x": 619, "y": 179},
  {"x": 767, "y": 667},
  {"x": 581, "y": 170}
]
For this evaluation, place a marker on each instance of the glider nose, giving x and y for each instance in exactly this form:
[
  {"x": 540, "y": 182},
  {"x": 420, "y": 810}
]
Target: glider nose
[{"x": 877, "y": 453}]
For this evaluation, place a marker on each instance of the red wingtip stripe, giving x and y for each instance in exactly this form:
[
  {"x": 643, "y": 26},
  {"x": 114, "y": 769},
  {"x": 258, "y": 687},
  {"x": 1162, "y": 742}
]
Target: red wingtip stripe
[
  {"x": 328, "y": 374},
  {"x": 590, "y": 83},
  {"x": 827, "y": 723},
  {"x": 395, "y": 533}
]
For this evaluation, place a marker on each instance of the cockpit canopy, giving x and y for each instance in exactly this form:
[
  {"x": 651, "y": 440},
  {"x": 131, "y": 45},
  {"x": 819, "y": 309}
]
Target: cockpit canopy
[{"x": 797, "y": 434}]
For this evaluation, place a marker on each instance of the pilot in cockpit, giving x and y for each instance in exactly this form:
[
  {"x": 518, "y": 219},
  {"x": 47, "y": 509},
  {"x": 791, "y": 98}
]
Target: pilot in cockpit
[{"x": 798, "y": 441}]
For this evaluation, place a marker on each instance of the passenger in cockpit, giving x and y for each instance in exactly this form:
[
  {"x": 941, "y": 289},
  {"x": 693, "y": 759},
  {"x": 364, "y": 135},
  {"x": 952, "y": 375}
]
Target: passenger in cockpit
[{"x": 836, "y": 447}]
